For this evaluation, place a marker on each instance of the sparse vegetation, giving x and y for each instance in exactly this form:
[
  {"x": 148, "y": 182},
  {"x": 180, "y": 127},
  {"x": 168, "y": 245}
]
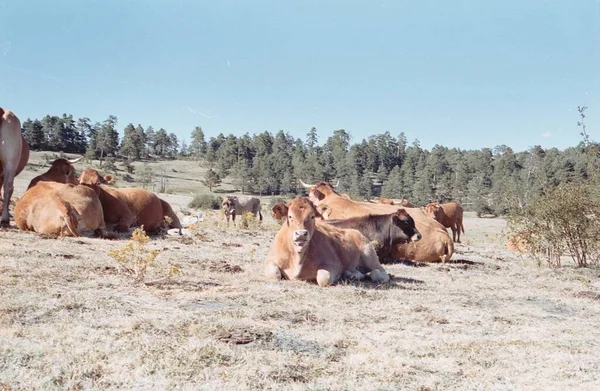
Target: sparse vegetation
[
  {"x": 134, "y": 259},
  {"x": 248, "y": 220}
]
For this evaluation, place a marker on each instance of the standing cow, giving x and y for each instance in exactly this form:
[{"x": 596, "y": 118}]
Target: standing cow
[
  {"x": 11, "y": 145},
  {"x": 450, "y": 215},
  {"x": 238, "y": 205}
]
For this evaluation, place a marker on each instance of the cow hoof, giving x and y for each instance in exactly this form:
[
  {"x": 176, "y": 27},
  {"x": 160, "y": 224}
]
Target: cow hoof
[
  {"x": 354, "y": 275},
  {"x": 379, "y": 276},
  {"x": 323, "y": 278},
  {"x": 272, "y": 271},
  {"x": 4, "y": 224}
]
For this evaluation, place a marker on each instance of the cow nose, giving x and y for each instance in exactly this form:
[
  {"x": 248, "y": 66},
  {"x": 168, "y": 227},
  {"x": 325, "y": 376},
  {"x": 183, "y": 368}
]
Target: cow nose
[
  {"x": 416, "y": 237},
  {"x": 300, "y": 234}
]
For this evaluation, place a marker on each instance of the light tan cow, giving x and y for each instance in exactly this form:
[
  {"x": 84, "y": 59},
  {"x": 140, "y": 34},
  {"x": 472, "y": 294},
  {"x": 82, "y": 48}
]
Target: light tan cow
[
  {"x": 61, "y": 171},
  {"x": 450, "y": 215},
  {"x": 435, "y": 244},
  {"x": 59, "y": 209},
  {"x": 310, "y": 250},
  {"x": 11, "y": 144}
]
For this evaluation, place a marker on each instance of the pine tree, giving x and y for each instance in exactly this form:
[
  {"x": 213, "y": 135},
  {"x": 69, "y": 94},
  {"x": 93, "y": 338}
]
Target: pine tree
[
  {"x": 34, "y": 134},
  {"x": 108, "y": 138},
  {"x": 150, "y": 135},
  {"x": 198, "y": 144},
  {"x": 161, "y": 142},
  {"x": 211, "y": 179},
  {"x": 130, "y": 144}
]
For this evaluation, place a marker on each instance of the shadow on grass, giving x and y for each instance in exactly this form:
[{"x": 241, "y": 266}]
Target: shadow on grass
[{"x": 404, "y": 262}]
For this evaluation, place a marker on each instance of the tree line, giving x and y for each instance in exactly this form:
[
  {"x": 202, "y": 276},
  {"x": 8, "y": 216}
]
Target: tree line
[{"x": 489, "y": 180}]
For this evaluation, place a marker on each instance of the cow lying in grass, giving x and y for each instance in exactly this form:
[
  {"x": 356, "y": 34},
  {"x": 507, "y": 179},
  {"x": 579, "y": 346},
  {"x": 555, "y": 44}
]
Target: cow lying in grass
[
  {"x": 307, "y": 249},
  {"x": 385, "y": 231},
  {"x": 126, "y": 206}
]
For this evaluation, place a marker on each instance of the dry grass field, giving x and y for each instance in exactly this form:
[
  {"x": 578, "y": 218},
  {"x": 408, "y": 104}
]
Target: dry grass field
[{"x": 488, "y": 320}]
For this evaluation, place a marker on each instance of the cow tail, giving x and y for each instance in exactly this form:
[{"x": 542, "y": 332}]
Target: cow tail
[
  {"x": 462, "y": 227},
  {"x": 69, "y": 216},
  {"x": 260, "y": 215},
  {"x": 448, "y": 250}
]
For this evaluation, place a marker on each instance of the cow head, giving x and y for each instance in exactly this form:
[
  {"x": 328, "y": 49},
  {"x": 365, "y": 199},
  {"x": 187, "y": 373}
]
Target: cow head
[
  {"x": 279, "y": 211},
  {"x": 405, "y": 222},
  {"x": 228, "y": 204},
  {"x": 62, "y": 170},
  {"x": 91, "y": 177},
  {"x": 300, "y": 219},
  {"x": 320, "y": 191},
  {"x": 433, "y": 210}
]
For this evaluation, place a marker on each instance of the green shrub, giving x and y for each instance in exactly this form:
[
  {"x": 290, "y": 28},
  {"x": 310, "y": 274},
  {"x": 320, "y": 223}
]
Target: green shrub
[
  {"x": 566, "y": 220},
  {"x": 205, "y": 202}
]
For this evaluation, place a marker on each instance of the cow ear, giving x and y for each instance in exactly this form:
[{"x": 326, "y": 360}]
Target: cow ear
[
  {"x": 318, "y": 194},
  {"x": 279, "y": 211},
  {"x": 108, "y": 178}
]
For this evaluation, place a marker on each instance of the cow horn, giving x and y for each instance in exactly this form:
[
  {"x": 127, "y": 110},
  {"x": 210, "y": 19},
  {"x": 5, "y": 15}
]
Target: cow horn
[
  {"x": 75, "y": 160},
  {"x": 337, "y": 184},
  {"x": 304, "y": 184}
]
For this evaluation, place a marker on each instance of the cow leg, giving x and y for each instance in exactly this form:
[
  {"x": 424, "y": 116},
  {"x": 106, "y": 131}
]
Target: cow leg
[
  {"x": 353, "y": 275},
  {"x": 457, "y": 232},
  {"x": 272, "y": 271},
  {"x": 8, "y": 188},
  {"x": 370, "y": 261},
  {"x": 453, "y": 228},
  {"x": 233, "y": 218}
]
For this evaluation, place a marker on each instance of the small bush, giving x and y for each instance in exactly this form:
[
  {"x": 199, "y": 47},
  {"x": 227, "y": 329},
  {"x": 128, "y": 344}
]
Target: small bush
[
  {"x": 134, "y": 259},
  {"x": 249, "y": 220},
  {"x": 205, "y": 202},
  {"x": 564, "y": 220}
]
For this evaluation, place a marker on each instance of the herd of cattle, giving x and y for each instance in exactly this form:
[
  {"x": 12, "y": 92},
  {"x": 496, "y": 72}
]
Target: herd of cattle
[{"x": 325, "y": 236}]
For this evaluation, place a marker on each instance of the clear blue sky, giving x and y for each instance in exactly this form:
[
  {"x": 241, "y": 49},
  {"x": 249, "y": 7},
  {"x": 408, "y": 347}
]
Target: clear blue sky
[{"x": 466, "y": 74}]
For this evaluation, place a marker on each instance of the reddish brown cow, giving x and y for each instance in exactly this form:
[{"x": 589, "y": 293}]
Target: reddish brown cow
[
  {"x": 117, "y": 215},
  {"x": 61, "y": 170},
  {"x": 435, "y": 244},
  {"x": 306, "y": 249},
  {"x": 450, "y": 215},
  {"x": 58, "y": 209},
  {"x": 145, "y": 206}
]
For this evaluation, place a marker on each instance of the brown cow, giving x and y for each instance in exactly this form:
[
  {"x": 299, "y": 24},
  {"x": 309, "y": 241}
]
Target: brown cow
[
  {"x": 435, "y": 244},
  {"x": 58, "y": 209},
  {"x": 386, "y": 231},
  {"x": 117, "y": 215},
  {"x": 11, "y": 144},
  {"x": 144, "y": 206},
  {"x": 61, "y": 170},
  {"x": 520, "y": 242},
  {"x": 450, "y": 215},
  {"x": 306, "y": 249}
]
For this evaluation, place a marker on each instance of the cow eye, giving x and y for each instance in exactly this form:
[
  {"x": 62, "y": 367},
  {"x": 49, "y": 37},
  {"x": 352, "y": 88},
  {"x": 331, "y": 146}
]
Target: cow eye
[
  {"x": 289, "y": 217},
  {"x": 312, "y": 217}
]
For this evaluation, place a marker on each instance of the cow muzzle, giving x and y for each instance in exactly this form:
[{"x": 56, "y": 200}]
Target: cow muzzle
[
  {"x": 300, "y": 238},
  {"x": 416, "y": 237}
]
